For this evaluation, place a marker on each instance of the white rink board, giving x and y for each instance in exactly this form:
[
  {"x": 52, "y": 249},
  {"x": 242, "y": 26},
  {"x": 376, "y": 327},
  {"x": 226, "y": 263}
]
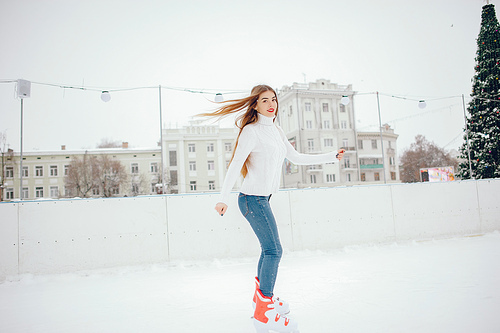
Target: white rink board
[
  {"x": 335, "y": 217},
  {"x": 426, "y": 210},
  {"x": 196, "y": 231},
  {"x": 82, "y": 234},
  {"x": 8, "y": 240},
  {"x": 69, "y": 235},
  {"x": 488, "y": 192}
]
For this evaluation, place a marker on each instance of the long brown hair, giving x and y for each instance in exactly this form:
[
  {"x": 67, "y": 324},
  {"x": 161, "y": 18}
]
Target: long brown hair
[{"x": 248, "y": 117}]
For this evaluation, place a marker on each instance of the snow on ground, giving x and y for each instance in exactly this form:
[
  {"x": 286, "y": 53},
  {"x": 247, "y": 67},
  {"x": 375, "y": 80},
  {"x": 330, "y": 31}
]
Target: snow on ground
[{"x": 449, "y": 285}]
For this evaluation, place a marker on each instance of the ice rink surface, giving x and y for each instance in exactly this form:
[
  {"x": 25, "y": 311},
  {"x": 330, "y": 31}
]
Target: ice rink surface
[{"x": 446, "y": 285}]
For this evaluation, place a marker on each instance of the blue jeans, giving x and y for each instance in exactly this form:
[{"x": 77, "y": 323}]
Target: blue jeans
[{"x": 257, "y": 211}]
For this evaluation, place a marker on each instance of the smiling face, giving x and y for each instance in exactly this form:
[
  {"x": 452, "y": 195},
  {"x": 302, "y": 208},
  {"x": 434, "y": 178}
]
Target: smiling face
[{"x": 267, "y": 104}]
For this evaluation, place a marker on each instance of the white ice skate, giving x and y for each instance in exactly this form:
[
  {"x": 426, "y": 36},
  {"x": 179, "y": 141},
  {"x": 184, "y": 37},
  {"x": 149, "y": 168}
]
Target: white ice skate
[
  {"x": 267, "y": 319},
  {"x": 281, "y": 306}
]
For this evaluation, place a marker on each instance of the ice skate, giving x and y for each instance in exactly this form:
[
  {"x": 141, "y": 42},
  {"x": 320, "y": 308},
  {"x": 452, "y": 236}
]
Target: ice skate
[
  {"x": 282, "y": 307},
  {"x": 266, "y": 317}
]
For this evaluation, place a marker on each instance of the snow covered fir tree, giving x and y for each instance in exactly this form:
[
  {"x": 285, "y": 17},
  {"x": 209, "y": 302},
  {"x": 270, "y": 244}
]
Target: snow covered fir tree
[{"x": 483, "y": 121}]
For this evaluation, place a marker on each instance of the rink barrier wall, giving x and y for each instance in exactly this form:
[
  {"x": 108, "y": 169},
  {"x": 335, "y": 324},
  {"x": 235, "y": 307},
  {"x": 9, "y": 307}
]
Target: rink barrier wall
[{"x": 56, "y": 236}]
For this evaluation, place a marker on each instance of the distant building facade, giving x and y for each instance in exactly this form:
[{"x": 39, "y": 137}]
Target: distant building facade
[
  {"x": 44, "y": 172},
  {"x": 315, "y": 121},
  {"x": 196, "y": 157}
]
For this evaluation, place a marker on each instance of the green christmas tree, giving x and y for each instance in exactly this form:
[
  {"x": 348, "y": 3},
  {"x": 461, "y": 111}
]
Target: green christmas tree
[{"x": 483, "y": 121}]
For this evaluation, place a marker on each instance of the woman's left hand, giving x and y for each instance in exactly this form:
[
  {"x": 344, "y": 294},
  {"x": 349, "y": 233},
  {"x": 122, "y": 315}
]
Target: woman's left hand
[{"x": 340, "y": 154}]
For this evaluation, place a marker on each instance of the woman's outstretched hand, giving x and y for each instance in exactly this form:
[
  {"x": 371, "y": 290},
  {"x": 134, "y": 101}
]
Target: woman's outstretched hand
[
  {"x": 340, "y": 154},
  {"x": 221, "y": 208}
]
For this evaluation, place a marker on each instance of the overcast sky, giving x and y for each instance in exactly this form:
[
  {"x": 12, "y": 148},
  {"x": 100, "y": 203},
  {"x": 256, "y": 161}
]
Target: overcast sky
[{"x": 417, "y": 49}]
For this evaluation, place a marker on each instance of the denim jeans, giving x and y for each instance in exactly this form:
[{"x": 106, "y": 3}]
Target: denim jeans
[{"x": 257, "y": 211}]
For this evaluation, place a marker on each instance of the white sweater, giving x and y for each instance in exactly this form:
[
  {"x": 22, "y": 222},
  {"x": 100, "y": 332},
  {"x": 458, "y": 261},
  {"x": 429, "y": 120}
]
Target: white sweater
[{"x": 267, "y": 146}]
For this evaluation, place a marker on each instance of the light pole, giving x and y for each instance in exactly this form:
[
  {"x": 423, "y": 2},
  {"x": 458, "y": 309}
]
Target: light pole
[
  {"x": 161, "y": 144},
  {"x": 381, "y": 138},
  {"x": 23, "y": 91}
]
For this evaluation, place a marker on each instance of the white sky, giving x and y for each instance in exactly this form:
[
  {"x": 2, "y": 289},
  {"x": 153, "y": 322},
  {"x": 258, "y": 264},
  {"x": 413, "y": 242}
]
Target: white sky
[{"x": 416, "y": 49}]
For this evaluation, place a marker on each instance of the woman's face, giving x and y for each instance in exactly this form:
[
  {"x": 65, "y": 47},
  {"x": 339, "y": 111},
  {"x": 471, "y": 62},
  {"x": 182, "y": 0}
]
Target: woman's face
[{"x": 267, "y": 104}]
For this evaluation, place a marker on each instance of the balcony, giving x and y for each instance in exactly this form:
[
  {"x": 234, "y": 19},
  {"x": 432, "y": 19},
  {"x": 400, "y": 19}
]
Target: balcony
[
  {"x": 371, "y": 166},
  {"x": 350, "y": 166},
  {"x": 314, "y": 168}
]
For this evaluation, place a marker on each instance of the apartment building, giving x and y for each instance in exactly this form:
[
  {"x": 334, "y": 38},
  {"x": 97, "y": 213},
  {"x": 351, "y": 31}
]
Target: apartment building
[
  {"x": 319, "y": 117},
  {"x": 196, "y": 156},
  {"x": 44, "y": 172},
  {"x": 375, "y": 166}
]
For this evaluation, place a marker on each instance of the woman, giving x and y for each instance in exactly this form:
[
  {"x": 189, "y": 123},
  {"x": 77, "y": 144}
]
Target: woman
[{"x": 260, "y": 150}]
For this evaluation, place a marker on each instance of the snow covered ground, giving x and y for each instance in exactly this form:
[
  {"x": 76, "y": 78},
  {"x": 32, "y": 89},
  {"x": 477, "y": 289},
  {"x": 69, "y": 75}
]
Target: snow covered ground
[{"x": 448, "y": 285}]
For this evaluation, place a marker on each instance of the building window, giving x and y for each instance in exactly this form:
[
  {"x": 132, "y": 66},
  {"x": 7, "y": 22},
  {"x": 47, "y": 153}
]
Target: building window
[
  {"x": 192, "y": 166},
  {"x": 326, "y": 124},
  {"x": 310, "y": 144},
  {"x": 192, "y": 185},
  {"x": 38, "y": 192},
  {"x": 309, "y": 124},
  {"x": 342, "y": 108},
  {"x": 393, "y": 175},
  {"x": 347, "y": 162},
  {"x": 134, "y": 168},
  {"x": 54, "y": 192},
  {"x": 191, "y": 148},
  {"x": 115, "y": 190},
  {"x": 25, "y": 193},
  {"x": 211, "y": 165},
  {"x": 39, "y": 171},
  {"x": 211, "y": 185},
  {"x": 53, "y": 170},
  {"x": 325, "y": 107},
  {"x": 9, "y": 193},
  {"x": 308, "y": 107},
  {"x": 9, "y": 172},
  {"x": 330, "y": 178},
  {"x": 374, "y": 144},
  {"x": 345, "y": 143},
  {"x": 363, "y": 177},
  {"x": 154, "y": 167},
  {"x": 95, "y": 190},
  {"x": 228, "y": 147},
  {"x": 328, "y": 142},
  {"x": 360, "y": 144},
  {"x": 290, "y": 113},
  {"x": 377, "y": 176},
  {"x": 210, "y": 147},
  {"x": 313, "y": 179},
  {"x": 348, "y": 177},
  {"x": 391, "y": 160},
  {"x": 66, "y": 170},
  {"x": 343, "y": 124},
  {"x": 172, "y": 157},
  {"x": 25, "y": 171},
  {"x": 173, "y": 177}
]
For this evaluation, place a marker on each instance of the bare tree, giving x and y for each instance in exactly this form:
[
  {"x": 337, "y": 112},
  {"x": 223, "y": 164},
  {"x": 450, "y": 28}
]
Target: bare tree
[
  {"x": 108, "y": 143},
  {"x": 95, "y": 176},
  {"x": 423, "y": 154},
  {"x": 112, "y": 175},
  {"x": 82, "y": 178}
]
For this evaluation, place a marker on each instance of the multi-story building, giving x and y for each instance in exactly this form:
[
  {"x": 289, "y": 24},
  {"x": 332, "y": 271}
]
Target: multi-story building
[
  {"x": 44, "y": 172},
  {"x": 196, "y": 157},
  {"x": 372, "y": 162},
  {"x": 317, "y": 118}
]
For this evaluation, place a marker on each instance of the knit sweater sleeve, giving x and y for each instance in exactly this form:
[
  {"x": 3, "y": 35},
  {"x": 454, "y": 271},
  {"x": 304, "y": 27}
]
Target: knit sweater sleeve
[
  {"x": 303, "y": 159},
  {"x": 246, "y": 143}
]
